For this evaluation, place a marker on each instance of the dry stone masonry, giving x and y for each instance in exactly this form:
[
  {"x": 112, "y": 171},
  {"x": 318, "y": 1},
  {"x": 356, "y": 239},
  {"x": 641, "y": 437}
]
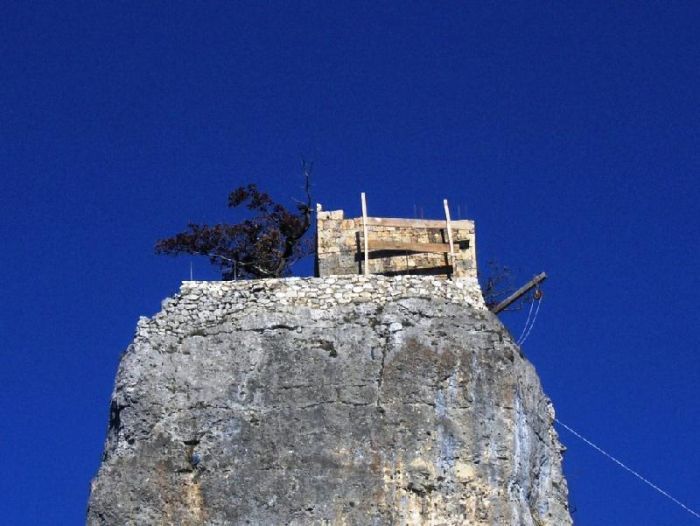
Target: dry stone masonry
[
  {"x": 351, "y": 400},
  {"x": 210, "y": 302}
]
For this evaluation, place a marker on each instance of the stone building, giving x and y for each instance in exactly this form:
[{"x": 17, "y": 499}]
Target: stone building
[{"x": 395, "y": 246}]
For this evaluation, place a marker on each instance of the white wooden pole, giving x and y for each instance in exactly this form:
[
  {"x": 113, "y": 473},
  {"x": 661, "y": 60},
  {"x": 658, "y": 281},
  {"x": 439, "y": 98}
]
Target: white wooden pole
[
  {"x": 364, "y": 232},
  {"x": 449, "y": 235}
]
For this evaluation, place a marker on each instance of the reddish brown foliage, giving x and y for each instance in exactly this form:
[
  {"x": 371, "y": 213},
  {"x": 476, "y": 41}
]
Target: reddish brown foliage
[{"x": 261, "y": 247}]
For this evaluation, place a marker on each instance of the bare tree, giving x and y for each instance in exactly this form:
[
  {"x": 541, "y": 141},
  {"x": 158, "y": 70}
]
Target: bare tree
[{"x": 498, "y": 285}]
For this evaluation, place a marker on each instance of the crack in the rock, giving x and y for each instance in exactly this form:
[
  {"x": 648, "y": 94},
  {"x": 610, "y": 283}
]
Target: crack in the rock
[
  {"x": 380, "y": 376},
  {"x": 337, "y": 401},
  {"x": 277, "y": 326},
  {"x": 317, "y": 404}
]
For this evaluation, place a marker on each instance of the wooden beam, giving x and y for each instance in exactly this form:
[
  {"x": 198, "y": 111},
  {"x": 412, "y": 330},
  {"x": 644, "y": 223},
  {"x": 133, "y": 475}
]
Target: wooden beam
[
  {"x": 464, "y": 224},
  {"x": 520, "y": 292},
  {"x": 448, "y": 225},
  {"x": 364, "y": 232},
  {"x": 424, "y": 270},
  {"x": 406, "y": 246}
]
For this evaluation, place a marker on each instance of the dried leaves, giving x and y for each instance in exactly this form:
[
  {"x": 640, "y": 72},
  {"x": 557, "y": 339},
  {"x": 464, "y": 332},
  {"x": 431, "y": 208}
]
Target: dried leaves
[{"x": 263, "y": 246}]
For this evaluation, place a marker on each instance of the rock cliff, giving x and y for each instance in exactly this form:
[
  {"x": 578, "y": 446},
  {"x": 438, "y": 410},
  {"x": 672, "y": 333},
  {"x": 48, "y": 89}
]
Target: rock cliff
[{"x": 355, "y": 400}]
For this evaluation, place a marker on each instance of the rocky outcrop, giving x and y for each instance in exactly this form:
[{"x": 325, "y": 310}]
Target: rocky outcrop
[{"x": 358, "y": 400}]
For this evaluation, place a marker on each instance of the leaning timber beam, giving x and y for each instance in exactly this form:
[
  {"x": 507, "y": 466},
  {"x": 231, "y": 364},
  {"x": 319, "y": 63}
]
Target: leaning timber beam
[{"x": 519, "y": 293}]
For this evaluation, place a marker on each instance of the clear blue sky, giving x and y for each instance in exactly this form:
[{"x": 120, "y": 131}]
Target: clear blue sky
[{"x": 569, "y": 132}]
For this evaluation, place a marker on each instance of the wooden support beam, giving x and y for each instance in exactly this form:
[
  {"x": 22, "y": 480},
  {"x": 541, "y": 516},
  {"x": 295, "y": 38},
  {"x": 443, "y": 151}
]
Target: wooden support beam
[
  {"x": 364, "y": 232},
  {"x": 520, "y": 292},
  {"x": 423, "y": 270},
  {"x": 449, "y": 232},
  {"x": 404, "y": 246}
]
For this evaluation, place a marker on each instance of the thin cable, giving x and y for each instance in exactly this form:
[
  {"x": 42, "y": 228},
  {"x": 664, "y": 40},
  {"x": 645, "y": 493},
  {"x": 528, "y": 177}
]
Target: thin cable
[
  {"x": 623, "y": 466},
  {"x": 532, "y": 304},
  {"x": 532, "y": 324}
]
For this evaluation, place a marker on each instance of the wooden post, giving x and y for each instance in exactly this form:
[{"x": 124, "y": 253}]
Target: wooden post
[
  {"x": 449, "y": 235},
  {"x": 364, "y": 233},
  {"x": 522, "y": 290}
]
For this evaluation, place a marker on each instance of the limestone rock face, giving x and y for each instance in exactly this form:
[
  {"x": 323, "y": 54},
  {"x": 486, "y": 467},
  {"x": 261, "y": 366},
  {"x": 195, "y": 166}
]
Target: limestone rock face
[{"x": 264, "y": 403}]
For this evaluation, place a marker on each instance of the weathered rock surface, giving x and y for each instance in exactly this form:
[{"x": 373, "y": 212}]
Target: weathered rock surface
[{"x": 411, "y": 408}]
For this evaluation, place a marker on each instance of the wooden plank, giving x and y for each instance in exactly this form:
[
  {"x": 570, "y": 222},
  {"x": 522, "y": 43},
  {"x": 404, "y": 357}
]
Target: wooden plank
[
  {"x": 464, "y": 224},
  {"x": 448, "y": 225},
  {"x": 518, "y": 293},
  {"x": 364, "y": 232},
  {"x": 379, "y": 244},
  {"x": 422, "y": 270}
]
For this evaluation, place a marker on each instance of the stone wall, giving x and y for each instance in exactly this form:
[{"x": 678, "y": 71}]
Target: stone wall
[
  {"x": 209, "y": 302},
  {"x": 340, "y": 244}
]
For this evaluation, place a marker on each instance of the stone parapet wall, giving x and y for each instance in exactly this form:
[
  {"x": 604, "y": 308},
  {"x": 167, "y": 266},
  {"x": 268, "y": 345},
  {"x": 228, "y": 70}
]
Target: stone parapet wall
[{"x": 202, "y": 303}]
